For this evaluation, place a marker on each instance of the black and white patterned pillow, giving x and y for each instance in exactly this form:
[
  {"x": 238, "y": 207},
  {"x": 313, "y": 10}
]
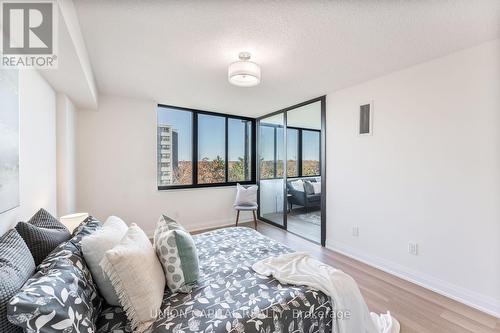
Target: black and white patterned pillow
[
  {"x": 41, "y": 241},
  {"x": 61, "y": 296},
  {"x": 88, "y": 226},
  {"x": 16, "y": 266}
]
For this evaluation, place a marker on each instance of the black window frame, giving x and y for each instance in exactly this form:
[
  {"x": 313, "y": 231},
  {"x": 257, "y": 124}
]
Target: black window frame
[
  {"x": 300, "y": 151},
  {"x": 194, "y": 143}
]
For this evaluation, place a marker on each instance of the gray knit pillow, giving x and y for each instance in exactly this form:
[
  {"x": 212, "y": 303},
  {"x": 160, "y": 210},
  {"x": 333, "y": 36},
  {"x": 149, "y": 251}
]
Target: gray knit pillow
[
  {"x": 16, "y": 266},
  {"x": 43, "y": 219},
  {"x": 41, "y": 241}
]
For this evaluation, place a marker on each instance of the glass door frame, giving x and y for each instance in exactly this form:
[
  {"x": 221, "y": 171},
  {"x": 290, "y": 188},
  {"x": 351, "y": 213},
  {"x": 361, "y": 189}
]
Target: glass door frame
[{"x": 322, "y": 160}]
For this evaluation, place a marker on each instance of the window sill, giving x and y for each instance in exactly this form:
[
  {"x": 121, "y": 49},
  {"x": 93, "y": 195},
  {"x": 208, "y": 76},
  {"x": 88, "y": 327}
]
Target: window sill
[{"x": 202, "y": 186}]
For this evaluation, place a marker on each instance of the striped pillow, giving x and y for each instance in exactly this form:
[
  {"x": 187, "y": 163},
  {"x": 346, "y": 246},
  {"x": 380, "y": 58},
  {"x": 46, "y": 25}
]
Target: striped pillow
[
  {"x": 16, "y": 266},
  {"x": 178, "y": 256}
]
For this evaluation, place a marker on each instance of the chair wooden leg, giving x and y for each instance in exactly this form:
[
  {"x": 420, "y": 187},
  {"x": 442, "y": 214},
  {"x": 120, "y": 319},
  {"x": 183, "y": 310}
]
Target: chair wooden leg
[
  {"x": 237, "y": 217},
  {"x": 254, "y": 220}
]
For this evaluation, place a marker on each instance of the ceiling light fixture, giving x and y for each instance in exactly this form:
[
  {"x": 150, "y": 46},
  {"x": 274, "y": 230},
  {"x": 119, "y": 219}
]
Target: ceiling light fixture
[{"x": 244, "y": 73}]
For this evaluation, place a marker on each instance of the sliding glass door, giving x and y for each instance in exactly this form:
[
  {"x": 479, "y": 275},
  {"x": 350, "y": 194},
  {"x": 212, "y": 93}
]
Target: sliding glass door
[
  {"x": 291, "y": 146},
  {"x": 271, "y": 166}
]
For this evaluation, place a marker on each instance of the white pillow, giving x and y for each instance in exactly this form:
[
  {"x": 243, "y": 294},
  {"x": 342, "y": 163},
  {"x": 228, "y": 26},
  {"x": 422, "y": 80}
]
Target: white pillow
[
  {"x": 316, "y": 187},
  {"x": 93, "y": 248},
  {"x": 137, "y": 276},
  {"x": 298, "y": 185},
  {"x": 246, "y": 196}
]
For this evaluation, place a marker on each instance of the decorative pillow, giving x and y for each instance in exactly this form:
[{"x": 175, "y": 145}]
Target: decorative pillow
[
  {"x": 43, "y": 219},
  {"x": 94, "y": 247},
  {"x": 87, "y": 227},
  {"x": 298, "y": 185},
  {"x": 316, "y": 188},
  {"x": 137, "y": 276},
  {"x": 16, "y": 266},
  {"x": 246, "y": 195},
  {"x": 178, "y": 257},
  {"x": 308, "y": 187},
  {"x": 61, "y": 296},
  {"x": 164, "y": 224},
  {"x": 41, "y": 241}
]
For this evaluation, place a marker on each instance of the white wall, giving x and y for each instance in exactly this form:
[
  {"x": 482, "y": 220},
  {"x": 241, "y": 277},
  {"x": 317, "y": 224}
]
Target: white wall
[
  {"x": 430, "y": 174},
  {"x": 37, "y": 156},
  {"x": 116, "y": 171},
  {"x": 66, "y": 166}
]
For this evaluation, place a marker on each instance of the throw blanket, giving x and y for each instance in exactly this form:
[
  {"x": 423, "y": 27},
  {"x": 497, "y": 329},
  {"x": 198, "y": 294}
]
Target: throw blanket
[{"x": 300, "y": 268}]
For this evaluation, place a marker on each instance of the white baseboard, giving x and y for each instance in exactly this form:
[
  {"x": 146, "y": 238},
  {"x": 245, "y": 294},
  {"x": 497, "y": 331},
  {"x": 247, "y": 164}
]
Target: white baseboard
[{"x": 473, "y": 299}]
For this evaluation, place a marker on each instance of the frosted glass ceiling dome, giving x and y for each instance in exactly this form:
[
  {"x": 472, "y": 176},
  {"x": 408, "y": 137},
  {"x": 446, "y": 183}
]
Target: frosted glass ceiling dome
[{"x": 244, "y": 73}]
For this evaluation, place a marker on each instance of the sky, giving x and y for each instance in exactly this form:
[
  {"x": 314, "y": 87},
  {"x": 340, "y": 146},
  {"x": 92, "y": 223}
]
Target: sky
[
  {"x": 310, "y": 144},
  {"x": 211, "y": 136}
]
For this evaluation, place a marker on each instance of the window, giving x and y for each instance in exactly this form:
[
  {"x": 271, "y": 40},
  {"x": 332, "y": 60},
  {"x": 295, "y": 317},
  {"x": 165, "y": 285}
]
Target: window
[
  {"x": 175, "y": 159},
  {"x": 239, "y": 150},
  {"x": 267, "y": 163},
  {"x": 292, "y": 153},
  {"x": 302, "y": 156},
  {"x": 310, "y": 152},
  {"x": 205, "y": 148},
  {"x": 211, "y": 149},
  {"x": 279, "y": 152}
]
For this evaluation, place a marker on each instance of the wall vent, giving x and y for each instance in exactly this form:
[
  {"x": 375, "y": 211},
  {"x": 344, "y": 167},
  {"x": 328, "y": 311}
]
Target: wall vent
[{"x": 365, "y": 119}]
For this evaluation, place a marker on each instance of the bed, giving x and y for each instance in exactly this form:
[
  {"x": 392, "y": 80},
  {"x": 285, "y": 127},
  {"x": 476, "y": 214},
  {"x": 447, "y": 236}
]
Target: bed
[{"x": 231, "y": 297}]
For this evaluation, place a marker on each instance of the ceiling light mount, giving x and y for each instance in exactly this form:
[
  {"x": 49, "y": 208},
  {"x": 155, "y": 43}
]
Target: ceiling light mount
[
  {"x": 244, "y": 56},
  {"x": 244, "y": 73}
]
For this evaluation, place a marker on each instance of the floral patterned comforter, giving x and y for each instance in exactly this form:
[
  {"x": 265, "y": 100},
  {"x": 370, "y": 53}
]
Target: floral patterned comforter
[{"x": 231, "y": 297}]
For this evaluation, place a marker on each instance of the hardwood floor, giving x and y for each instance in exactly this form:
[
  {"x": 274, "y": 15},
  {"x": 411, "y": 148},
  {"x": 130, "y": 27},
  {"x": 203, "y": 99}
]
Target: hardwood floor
[{"x": 417, "y": 309}]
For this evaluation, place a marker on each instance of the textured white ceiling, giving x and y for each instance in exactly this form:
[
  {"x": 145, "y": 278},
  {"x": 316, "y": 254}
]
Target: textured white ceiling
[{"x": 177, "y": 52}]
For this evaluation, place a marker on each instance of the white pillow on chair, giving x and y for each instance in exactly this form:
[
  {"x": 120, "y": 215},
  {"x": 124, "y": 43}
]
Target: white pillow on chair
[
  {"x": 298, "y": 185},
  {"x": 317, "y": 188},
  {"x": 246, "y": 195}
]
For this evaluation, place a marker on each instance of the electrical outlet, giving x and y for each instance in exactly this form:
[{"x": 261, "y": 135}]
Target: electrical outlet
[
  {"x": 355, "y": 231},
  {"x": 413, "y": 248}
]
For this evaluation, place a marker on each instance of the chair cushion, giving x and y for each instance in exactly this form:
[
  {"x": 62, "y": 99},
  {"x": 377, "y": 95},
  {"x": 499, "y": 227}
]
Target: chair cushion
[
  {"x": 94, "y": 246},
  {"x": 246, "y": 208},
  {"x": 16, "y": 266},
  {"x": 61, "y": 296},
  {"x": 314, "y": 197}
]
